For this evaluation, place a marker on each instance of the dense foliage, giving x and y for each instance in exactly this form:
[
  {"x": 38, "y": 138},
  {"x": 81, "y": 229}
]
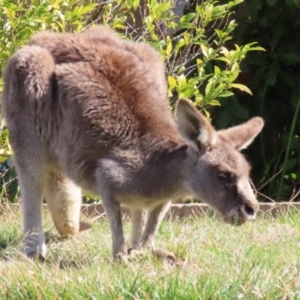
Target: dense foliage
[
  {"x": 202, "y": 61},
  {"x": 274, "y": 78}
]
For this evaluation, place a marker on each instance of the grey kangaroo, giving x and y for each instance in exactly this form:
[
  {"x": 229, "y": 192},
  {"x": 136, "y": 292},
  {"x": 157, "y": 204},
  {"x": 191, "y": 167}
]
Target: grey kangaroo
[{"x": 90, "y": 111}]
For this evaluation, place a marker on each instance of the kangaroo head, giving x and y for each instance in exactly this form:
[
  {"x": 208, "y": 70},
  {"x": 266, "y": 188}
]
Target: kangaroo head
[{"x": 220, "y": 173}]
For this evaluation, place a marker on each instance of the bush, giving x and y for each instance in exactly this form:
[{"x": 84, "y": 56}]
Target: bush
[
  {"x": 201, "y": 61},
  {"x": 274, "y": 77}
]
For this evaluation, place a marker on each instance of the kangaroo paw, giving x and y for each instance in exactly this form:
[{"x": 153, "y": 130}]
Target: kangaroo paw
[
  {"x": 84, "y": 226},
  {"x": 165, "y": 254}
]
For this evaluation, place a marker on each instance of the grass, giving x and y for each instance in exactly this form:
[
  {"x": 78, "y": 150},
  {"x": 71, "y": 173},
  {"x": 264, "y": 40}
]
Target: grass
[{"x": 260, "y": 260}]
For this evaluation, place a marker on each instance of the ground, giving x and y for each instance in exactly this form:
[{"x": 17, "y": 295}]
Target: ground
[{"x": 260, "y": 260}]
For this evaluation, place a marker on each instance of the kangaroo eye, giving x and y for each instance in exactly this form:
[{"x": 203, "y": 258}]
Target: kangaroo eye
[{"x": 223, "y": 175}]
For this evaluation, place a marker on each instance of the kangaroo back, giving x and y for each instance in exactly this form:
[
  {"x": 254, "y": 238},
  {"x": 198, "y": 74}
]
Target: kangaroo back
[{"x": 68, "y": 47}]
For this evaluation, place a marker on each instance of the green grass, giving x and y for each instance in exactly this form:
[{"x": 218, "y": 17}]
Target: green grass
[{"x": 260, "y": 260}]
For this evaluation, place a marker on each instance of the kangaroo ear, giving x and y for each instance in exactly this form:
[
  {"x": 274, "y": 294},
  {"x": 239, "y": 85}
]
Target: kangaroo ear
[
  {"x": 192, "y": 125},
  {"x": 241, "y": 136}
]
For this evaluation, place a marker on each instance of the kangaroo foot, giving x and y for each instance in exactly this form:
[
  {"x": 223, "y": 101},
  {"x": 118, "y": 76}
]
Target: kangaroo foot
[
  {"x": 84, "y": 226},
  {"x": 165, "y": 255}
]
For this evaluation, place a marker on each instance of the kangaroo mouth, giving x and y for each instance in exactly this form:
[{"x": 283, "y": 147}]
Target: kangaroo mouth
[
  {"x": 238, "y": 221},
  {"x": 235, "y": 221},
  {"x": 237, "y": 217}
]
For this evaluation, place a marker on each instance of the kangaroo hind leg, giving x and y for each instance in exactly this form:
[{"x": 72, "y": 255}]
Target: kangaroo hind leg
[
  {"x": 139, "y": 219},
  {"x": 63, "y": 197},
  {"x": 26, "y": 95},
  {"x": 31, "y": 184},
  {"x": 154, "y": 219}
]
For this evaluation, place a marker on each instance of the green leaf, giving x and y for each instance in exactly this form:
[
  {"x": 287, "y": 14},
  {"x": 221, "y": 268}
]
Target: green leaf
[
  {"x": 241, "y": 87},
  {"x": 90, "y": 195},
  {"x": 271, "y": 2},
  {"x": 163, "y": 7},
  {"x": 204, "y": 50},
  {"x": 56, "y": 4},
  {"x": 225, "y": 94},
  {"x": 222, "y": 59},
  {"x": 187, "y": 18},
  {"x": 224, "y": 51},
  {"x": 88, "y": 8},
  {"x": 289, "y": 164},
  {"x": 294, "y": 176},
  {"x": 181, "y": 83},
  {"x": 172, "y": 82},
  {"x": 3, "y": 159},
  {"x": 233, "y": 3},
  {"x": 217, "y": 70},
  {"x": 214, "y": 102},
  {"x": 208, "y": 88},
  {"x": 257, "y": 48},
  {"x": 272, "y": 74},
  {"x": 5, "y": 152},
  {"x": 135, "y": 4},
  {"x": 233, "y": 76},
  {"x": 225, "y": 117},
  {"x": 169, "y": 48},
  {"x": 238, "y": 109},
  {"x": 290, "y": 57},
  {"x": 179, "y": 44},
  {"x": 185, "y": 21},
  {"x": 187, "y": 37},
  {"x": 220, "y": 33}
]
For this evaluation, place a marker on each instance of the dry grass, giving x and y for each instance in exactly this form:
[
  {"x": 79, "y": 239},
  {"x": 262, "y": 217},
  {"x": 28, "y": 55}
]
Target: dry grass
[{"x": 216, "y": 261}]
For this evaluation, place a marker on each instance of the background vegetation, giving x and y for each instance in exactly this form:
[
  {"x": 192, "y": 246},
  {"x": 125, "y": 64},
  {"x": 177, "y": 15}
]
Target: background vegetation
[
  {"x": 211, "y": 57},
  {"x": 274, "y": 77}
]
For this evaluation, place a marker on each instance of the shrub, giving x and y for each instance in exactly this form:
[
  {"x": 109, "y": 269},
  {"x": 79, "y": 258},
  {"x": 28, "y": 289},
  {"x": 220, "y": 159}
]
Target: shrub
[{"x": 274, "y": 77}]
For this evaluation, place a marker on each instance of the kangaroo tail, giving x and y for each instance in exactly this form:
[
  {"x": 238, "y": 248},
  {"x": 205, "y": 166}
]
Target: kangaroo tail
[
  {"x": 28, "y": 86},
  {"x": 27, "y": 76}
]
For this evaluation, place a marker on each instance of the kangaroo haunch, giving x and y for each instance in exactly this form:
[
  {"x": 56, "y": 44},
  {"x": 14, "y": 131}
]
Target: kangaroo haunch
[{"x": 90, "y": 111}]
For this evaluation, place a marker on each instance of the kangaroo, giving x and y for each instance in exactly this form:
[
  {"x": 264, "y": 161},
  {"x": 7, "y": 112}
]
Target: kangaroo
[{"x": 90, "y": 111}]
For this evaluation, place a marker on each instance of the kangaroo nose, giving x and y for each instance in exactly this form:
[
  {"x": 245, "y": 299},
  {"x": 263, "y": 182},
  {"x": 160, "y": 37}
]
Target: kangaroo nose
[{"x": 249, "y": 210}]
